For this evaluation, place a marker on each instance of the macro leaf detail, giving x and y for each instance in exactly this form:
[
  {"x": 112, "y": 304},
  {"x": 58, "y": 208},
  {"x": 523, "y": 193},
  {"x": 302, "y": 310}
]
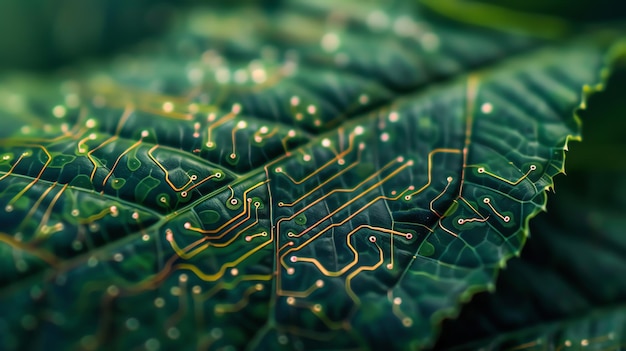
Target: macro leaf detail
[{"x": 319, "y": 196}]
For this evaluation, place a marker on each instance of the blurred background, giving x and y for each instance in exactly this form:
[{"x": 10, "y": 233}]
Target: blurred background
[{"x": 46, "y": 34}]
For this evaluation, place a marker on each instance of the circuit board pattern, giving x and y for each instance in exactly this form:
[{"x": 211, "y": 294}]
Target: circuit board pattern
[{"x": 206, "y": 196}]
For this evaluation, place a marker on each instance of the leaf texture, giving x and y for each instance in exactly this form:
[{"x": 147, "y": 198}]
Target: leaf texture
[
  {"x": 567, "y": 291},
  {"x": 246, "y": 185}
]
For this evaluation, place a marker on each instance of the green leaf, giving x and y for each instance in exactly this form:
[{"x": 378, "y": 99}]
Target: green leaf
[
  {"x": 568, "y": 290},
  {"x": 317, "y": 176}
]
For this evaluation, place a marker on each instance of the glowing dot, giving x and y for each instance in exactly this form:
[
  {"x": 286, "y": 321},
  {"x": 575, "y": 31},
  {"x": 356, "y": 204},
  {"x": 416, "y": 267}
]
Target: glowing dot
[
  {"x": 59, "y": 111},
  {"x": 394, "y": 117},
  {"x": 293, "y": 259},
  {"x": 430, "y": 41},
  {"x": 295, "y": 101},
  {"x": 384, "y": 137},
  {"x": 222, "y": 75},
  {"x": 28, "y": 322},
  {"x": 144, "y": 133},
  {"x": 113, "y": 290},
  {"x": 481, "y": 170},
  {"x": 145, "y": 237},
  {"x": 330, "y": 42},
  {"x": 326, "y": 142},
  {"x": 175, "y": 291},
  {"x": 319, "y": 283},
  {"x": 405, "y": 26},
  {"x": 317, "y": 307},
  {"x": 159, "y": 302},
  {"x": 377, "y": 20},
  {"x": 291, "y": 133},
  {"x": 99, "y": 100},
  {"x": 341, "y": 161},
  {"x": 407, "y": 322},
  {"x": 389, "y": 266},
  {"x": 21, "y": 265},
  {"x": 236, "y": 108},
  {"x": 263, "y": 130},
  {"x": 486, "y": 108},
  {"x": 152, "y": 344},
  {"x": 233, "y": 156},
  {"x": 259, "y": 75},
  {"x": 234, "y": 271},
  {"x": 364, "y": 99},
  {"x": 118, "y": 257},
  {"x": 216, "y": 333},
  {"x": 359, "y": 130},
  {"x": 311, "y": 109},
  {"x": 90, "y": 123},
  {"x": 258, "y": 139},
  {"x": 241, "y": 76},
  {"x": 584, "y": 342},
  {"x": 168, "y": 106},
  {"x": 486, "y": 200},
  {"x": 568, "y": 343},
  {"x": 8, "y": 208},
  {"x": 196, "y": 289},
  {"x": 135, "y": 215},
  {"x": 241, "y": 124},
  {"x": 187, "y": 225},
  {"x": 183, "y": 278},
  {"x": 290, "y": 300},
  {"x": 397, "y": 301},
  {"x": 132, "y": 324},
  {"x": 290, "y": 271},
  {"x": 173, "y": 333},
  {"x": 449, "y": 179},
  {"x": 306, "y": 158},
  {"x": 92, "y": 262},
  {"x": 72, "y": 100},
  {"x": 195, "y": 75}
]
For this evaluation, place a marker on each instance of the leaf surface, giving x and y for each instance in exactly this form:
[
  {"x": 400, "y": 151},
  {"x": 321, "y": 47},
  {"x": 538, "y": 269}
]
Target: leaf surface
[
  {"x": 568, "y": 290},
  {"x": 243, "y": 184}
]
